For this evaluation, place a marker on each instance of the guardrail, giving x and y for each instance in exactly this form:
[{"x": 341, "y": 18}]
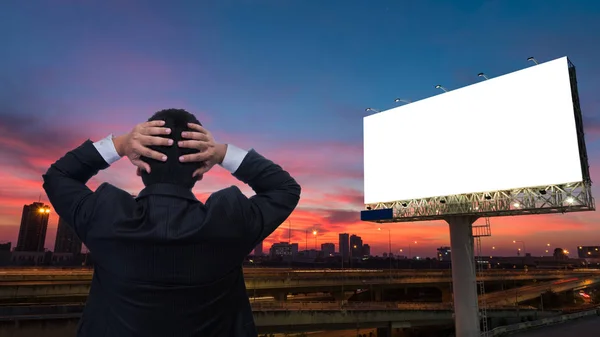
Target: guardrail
[
  {"x": 507, "y": 329},
  {"x": 295, "y": 306}
]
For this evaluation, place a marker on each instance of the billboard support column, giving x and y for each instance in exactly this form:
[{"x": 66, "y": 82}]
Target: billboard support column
[{"x": 464, "y": 281}]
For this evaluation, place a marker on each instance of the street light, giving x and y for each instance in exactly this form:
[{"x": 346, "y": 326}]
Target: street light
[
  {"x": 409, "y": 248},
  {"x": 522, "y": 243},
  {"x": 390, "y": 247},
  {"x": 440, "y": 87},
  {"x": 371, "y": 109},
  {"x": 398, "y": 100},
  {"x": 483, "y": 75},
  {"x": 532, "y": 59},
  {"x": 315, "y": 234}
]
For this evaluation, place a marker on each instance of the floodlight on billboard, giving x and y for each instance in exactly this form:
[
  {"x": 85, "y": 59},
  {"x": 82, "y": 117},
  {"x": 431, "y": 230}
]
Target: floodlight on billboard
[{"x": 508, "y": 145}]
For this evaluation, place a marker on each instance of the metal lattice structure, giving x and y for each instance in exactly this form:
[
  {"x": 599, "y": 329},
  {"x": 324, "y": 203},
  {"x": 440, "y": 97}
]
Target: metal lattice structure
[
  {"x": 574, "y": 197},
  {"x": 480, "y": 231}
]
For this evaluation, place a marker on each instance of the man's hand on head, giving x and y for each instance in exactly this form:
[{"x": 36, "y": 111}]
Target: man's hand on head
[
  {"x": 135, "y": 144},
  {"x": 202, "y": 140}
]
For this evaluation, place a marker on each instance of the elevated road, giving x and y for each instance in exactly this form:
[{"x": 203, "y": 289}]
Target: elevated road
[
  {"x": 282, "y": 317},
  {"x": 530, "y": 292},
  {"x": 27, "y": 283}
]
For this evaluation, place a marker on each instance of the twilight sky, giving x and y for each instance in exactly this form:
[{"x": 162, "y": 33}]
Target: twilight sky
[{"x": 288, "y": 78}]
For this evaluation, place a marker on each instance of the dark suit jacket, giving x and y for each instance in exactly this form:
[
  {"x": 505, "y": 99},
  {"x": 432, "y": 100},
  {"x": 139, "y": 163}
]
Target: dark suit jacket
[{"x": 166, "y": 264}]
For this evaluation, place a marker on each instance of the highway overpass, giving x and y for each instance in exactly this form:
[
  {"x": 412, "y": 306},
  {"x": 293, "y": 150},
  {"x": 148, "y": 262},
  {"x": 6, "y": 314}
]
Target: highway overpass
[
  {"x": 16, "y": 284},
  {"x": 529, "y": 292},
  {"x": 60, "y": 320}
]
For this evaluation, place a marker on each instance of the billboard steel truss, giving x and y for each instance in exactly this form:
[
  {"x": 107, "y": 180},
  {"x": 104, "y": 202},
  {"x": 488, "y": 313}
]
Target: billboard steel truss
[{"x": 564, "y": 198}]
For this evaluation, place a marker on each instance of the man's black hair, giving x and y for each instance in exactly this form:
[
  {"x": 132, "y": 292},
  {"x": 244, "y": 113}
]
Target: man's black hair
[{"x": 172, "y": 171}]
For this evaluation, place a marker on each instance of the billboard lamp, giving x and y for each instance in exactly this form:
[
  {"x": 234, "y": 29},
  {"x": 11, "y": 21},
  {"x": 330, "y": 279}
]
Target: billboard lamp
[
  {"x": 532, "y": 59},
  {"x": 371, "y": 109},
  {"x": 440, "y": 87},
  {"x": 398, "y": 100},
  {"x": 483, "y": 75}
]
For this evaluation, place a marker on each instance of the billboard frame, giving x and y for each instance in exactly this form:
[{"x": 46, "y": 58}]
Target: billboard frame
[{"x": 557, "y": 198}]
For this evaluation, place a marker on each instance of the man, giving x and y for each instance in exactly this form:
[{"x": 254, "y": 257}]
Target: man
[{"x": 166, "y": 264}]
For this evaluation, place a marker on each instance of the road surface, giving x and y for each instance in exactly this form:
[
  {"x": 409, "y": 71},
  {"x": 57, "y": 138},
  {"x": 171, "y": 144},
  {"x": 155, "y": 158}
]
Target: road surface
[{"x": 583, "y": 327}]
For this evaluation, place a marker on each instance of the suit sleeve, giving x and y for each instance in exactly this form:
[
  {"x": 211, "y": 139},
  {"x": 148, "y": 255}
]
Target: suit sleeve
[
  {"x": 65, "y": 182},
  {"x": 277, "y": 195}
]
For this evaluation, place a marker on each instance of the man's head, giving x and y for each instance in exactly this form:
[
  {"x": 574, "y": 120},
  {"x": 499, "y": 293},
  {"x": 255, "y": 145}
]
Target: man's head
[{"x": 172, "y": 171}]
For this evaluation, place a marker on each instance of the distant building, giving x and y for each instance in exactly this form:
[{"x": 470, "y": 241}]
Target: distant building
[
  {"x": 258, "y": 250},
  {"x": 284, "y": 249},
  {"x": 309, "y": 254},
  {"x": 34, "y": 224},
  {"x": 31, "y": 258},
  {"x": 5, "y": 253},
  {"x": 444, "y": 254},
  {"x": 328, "y": 249},
  {"x": 344, "y": 246},
  {"x": 356, "y": 246},
  {"x": 588, "y": 252},
  {"x": 5, "y": 247},
  {"x": 67, "y": 240},
  {"x": 366, "y": 250}
]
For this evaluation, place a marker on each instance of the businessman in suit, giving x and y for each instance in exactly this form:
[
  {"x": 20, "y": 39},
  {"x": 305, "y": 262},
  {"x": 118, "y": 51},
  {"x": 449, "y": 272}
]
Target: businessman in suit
[{"x": 166, "y": 264}]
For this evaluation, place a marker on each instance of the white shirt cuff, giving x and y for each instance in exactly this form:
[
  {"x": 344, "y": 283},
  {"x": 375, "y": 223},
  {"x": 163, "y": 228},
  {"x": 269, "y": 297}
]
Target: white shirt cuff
[
  {"x": 107, "y": 150},
  {"x": 233, "y": 158}
]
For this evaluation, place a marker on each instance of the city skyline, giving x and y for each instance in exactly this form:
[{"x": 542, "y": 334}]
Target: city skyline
[{"x": 301, "y": 106}]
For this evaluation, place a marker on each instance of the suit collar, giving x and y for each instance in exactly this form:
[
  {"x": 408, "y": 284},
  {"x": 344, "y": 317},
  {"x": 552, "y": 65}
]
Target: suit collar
[{"x": 167, "y": 189}]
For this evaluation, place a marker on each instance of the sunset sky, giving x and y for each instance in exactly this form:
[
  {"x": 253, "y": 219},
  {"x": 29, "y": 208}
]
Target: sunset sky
[{"x": 290, "y": 79}]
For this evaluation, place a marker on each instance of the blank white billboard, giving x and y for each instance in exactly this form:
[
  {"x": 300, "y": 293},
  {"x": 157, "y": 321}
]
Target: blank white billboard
[{"x": 513, "y": 131}]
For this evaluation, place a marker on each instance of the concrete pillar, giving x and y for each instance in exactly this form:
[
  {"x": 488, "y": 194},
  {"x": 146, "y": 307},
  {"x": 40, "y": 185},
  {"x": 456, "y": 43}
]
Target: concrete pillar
[
  {"x": 464, "y": 282},
  {"x": 446, "y": 294}
]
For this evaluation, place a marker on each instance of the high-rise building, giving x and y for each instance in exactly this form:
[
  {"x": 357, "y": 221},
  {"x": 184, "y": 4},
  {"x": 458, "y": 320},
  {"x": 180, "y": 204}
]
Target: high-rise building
[
  {"x": 284, "y": 249},
  {"x": 328, "y": 249},
  {"x": 444, "y": 254},
  {"x": 258, "y": 250},
  {"x": 366, "y": 250},
  {"x": 67, "y": 240},
  {"x": 588, "y": 252},
  {"x": 34, "y": 224},
  {"x": 344, "y": 246},
  {"x": 356, "y": 246}
]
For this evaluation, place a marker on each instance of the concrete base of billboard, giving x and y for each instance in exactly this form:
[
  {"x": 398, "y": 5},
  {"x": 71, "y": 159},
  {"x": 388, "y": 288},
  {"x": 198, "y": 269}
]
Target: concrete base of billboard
[{"x": 464, "y": 281}]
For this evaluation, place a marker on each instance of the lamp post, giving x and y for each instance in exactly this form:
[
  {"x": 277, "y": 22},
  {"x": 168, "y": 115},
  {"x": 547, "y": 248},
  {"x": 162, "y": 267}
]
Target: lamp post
[
  {"x": 523, "y": 244},
  {"x": 390, "y": 248},
  {"x": 409, "y": 248},
  {"x": 315, "y": 234}
]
